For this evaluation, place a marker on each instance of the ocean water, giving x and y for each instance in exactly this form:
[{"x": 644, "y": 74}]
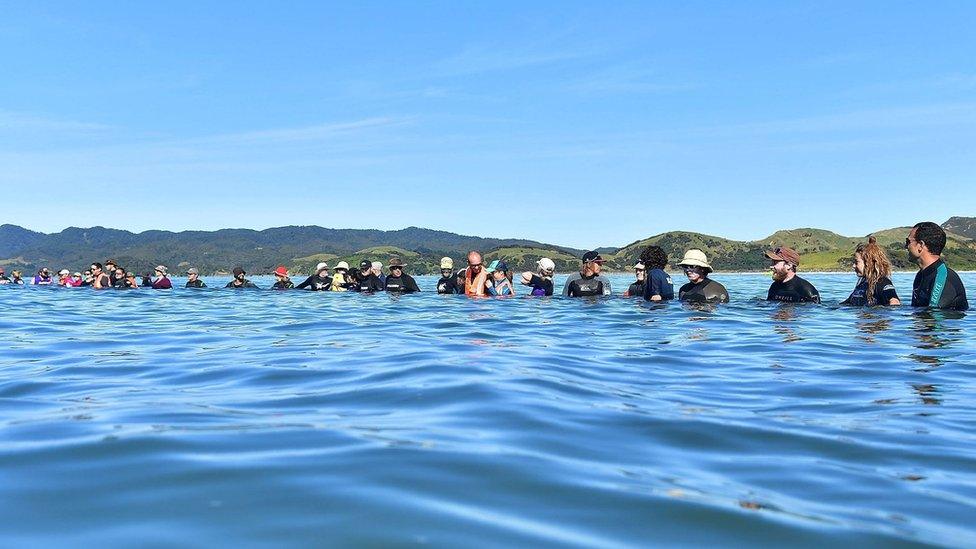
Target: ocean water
[{"x": 242, "y": 418}]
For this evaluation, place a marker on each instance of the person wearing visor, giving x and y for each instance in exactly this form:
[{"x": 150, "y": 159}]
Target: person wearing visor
[
  {"x": 448, "y": 282},
  {"x": 700, "y": 288},
  {"x": 637, "y": 287},
  {"x": 500, "y": 281},
  {"x": 475, "y": 277},
  {"x": 318, "y": 282},
  {"x": 239, "y": 280},
  {"x": 193, "y": 278},
  {"x": 787, "y": 286},
  {"x": 588, "y": 281},
  {"x": 541, "y": 281},
  {"x": 399, "y": 282},
  {"x": 935, "y": 285}
]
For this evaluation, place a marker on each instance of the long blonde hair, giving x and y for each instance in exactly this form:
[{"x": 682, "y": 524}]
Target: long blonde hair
[{"x": 876, "y": 265}]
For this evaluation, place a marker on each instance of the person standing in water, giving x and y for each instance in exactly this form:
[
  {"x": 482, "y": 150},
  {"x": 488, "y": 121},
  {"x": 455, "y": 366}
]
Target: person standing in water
[
  {"x": 637, "y": 287},
  {"x": 700, "y": 288},
  {"x": 4, "y": 279},
  {"x": 541, "y": 281},
  {"x": 239, "y": 280},
  {"x": 193, "y": 278},
  {"x": 341, "y": 281},
  {"x": 318, "y": 282},
  {"x": 658, "y": 286},
  {"x": 874, "y": 286},
  {"x": 448, "y": 282},
  {"x": 372, "y": 282},
  {"x": 283, "y": 282},
  {"x": 936, "y": 285},
  {"x": 499, "y": 281},
  {"x": 588, "y": 279},
  {"x": 100, "y": 280},
  {"x": 162, "y": 281},
  {"x": 399, "y": 282},
  {"x": 475, "y": 276},
  {"x": 787, "y": 286}
]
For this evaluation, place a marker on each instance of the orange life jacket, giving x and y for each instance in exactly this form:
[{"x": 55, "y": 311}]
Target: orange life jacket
[{"x": 475, "y": 287}]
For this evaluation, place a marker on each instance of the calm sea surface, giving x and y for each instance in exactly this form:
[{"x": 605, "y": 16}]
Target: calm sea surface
[{"x": 230, "y": 418}]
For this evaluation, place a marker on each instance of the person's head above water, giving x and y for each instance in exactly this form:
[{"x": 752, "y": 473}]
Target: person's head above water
[
  {"x": 591, "y": 263},
  {"x": 654, "y": 257},
  {"x": 321, "y": 268},
  {"x": 239, "y": 273},
  {"x": 396, "y": 266},
  {"x": 474, "y": 262},
  {"x": 546, "y": 267},
  {"x": 695, "y": 265},
  {"x": 925, "y": 243},
  {"x": 499, "y": 269},
  {"x": 783, "y": 262},
  {"x": 447, "y": 266}
]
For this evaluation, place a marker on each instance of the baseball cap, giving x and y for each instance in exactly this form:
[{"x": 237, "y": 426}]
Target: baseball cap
[
  {"x": 592, "y": 256},
  {"x": 364, "y": 264},
  {"x": 783, "y": 253},
  {"x": 64, "y": 272}
]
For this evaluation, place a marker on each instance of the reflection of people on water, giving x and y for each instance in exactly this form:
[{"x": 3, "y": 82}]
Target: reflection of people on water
[
  {"x": 936, "y": 285},
  {"x": 874, "y": 287}
]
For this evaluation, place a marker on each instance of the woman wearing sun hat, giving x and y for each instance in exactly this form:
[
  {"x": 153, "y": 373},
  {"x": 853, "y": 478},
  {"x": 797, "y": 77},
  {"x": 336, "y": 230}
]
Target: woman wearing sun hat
[
  {"x": 283, "y": 281},
  {"x": 700, "y": 288}
]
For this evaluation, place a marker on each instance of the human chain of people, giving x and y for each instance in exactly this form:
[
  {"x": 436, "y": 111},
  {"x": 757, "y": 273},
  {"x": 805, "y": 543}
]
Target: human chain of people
[{"x": 935, "y": 285}]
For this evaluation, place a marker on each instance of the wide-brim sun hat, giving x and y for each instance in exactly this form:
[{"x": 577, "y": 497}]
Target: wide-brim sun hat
[
  {"x": 342, "y": 265},
  {"x": 695, "y": 258},
  {"x": 281, "y": 271},
  {"x": 447, "y": 263},
  {"x": 321, "y": 266},
  {"x": 546, "y": 264}
]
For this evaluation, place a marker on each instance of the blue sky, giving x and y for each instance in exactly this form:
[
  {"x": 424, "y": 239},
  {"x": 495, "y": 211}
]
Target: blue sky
[{"x": 583, "y": 124}]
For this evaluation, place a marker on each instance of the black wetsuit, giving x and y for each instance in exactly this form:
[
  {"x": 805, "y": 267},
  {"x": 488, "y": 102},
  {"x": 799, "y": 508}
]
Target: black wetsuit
[
  {"x": 371, "y": 283},
  {"x": 586, "y": 286},
  {"x": 635, "y": 289},
  {"x": 448, "y": 285},
  {"x": 246, "y": 284},
  {"x": 706, "y": 291},
  {"x": 953, "y": 293},
  {"x": 283, "y": 285},
  {"x": 147, "y": 282},
  {"x": 195, "y": 284},
  {"x": 4, "y": 279},
  {"x": 403, "y": 284},
  {"x": 796, "y": 290},
  {"x": 119, "y": 283},
  {"x": 884, "y": 292},
  {"x": 316, "y": 283},
  {"x": 541, "y": 286}
]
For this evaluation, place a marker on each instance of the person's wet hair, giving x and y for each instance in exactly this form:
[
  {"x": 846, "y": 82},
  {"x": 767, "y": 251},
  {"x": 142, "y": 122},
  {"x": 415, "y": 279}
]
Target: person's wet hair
[
  {"x": 932, "y": 235},
  {"x": 653, "y": 257}
]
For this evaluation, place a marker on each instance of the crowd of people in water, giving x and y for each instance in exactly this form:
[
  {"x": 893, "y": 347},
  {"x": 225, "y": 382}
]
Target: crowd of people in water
[{"x": 935, "y": 285}]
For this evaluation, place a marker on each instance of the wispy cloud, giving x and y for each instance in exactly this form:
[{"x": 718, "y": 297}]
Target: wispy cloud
[
  {"x": 317, "y": 132},
  {"x": 491, "y": 58},
  {"x": 11, "y": 121},
  {"x": 627, "y": 78}
]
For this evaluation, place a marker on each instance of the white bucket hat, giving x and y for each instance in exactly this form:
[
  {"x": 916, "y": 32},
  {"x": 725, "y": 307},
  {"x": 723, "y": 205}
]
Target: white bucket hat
[
  {"x": 695, "y": 258},
  {"x": 321, "y": 266},
  {"x": 342, "y": 265}
]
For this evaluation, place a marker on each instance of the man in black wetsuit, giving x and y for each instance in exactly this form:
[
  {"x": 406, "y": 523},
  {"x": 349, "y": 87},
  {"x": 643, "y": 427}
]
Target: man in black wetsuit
[
  {"x": 787, "y": 286},
  {"x": 448, "y": 283},
  {"x": 318, "y": 282},
  {"x": 588, "y": 282},
  {"x": 936, "y": 285},
  {"x": 700, "y": 288},
  {"x": 399, "y": 282},
  {"x": 371, "y": 282},
  {"x": 239, "y": 280},
  {"x": 193, "y": 279}
]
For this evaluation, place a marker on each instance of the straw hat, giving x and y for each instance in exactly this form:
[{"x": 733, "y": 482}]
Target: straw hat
[{"x": 695, "y": 258}]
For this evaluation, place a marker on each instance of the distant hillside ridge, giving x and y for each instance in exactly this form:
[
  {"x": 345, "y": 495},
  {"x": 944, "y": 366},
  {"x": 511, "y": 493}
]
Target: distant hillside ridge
[{"x": 301, "y": 248}]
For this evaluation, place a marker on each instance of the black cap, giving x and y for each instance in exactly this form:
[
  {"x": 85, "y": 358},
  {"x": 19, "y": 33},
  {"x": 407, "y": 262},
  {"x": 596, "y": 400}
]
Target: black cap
[
  {"x": 238, "y": 271},
  {"x": 365, "y": 264},
  {"x": 592, "y": 256}
]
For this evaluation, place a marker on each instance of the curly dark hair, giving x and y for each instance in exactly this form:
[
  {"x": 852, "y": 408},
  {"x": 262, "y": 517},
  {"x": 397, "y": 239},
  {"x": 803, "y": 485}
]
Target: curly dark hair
[{"x": 653, "y": 257}]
